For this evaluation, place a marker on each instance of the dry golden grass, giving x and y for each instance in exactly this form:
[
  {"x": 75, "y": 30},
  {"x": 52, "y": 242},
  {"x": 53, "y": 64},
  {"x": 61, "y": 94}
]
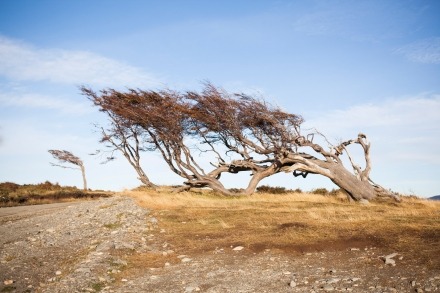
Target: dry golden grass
[{"x": 200, "y": 222}]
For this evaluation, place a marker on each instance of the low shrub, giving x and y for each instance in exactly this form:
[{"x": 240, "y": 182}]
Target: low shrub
[
  {"x": 272, "y": 190},
  {"x": 236, "y": 190},
  {"x": 320, "y": 191},
  {"x": 12, "y": 194}
]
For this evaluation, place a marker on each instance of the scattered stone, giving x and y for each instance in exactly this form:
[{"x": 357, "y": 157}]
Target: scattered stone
[
  {"x": 8, "y": 282},
  {"x": 238, "y": 248},
  {"x": 185, "y": 259},
  {"x": 388, "y": 259},
  {"x": 354, "y": 249},
  {"x": 58, "y": 273},
  {"x": 364, "y": 202},
  {"x": 391, "y": 255},
  {"x": 328, "y": 287},
  {"x": 292, "y": 284},
  {"x": 192, "y": 289},
  {"x": 332, "y": 281}
]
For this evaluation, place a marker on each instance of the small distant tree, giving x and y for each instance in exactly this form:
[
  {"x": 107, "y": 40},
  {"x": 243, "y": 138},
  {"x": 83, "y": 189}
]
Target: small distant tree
[{"x": 63, "y": 157}]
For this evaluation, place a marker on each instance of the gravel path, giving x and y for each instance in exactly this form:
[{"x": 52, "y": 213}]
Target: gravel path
[{"x": 112, "y": 245}]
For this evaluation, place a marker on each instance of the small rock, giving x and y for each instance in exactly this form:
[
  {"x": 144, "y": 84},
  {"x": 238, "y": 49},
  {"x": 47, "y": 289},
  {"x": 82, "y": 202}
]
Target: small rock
[
  {"x": 332, "y": 281},
  {"x": 413, "y": 283},
  {"x": 8, "y": 282},
  {"x": 364, "y": 202},
  {"x": 354, "y": 249},
  {"x": 51, "y": 230},
  {"x": 185, "y": 259},
  {"x": 419, "y": 290},
  {"x": 391, "y": 255},
  {"x": 128, "y": 246},
  {"x": 292, "y": 284},
  {"x": 238, "y": 248},
  {"x": 390, "y": 261},
  {"x": 58, "y": 273},
  {"x": 192, "y": 289},
  {"x": 328, "y": 287}
]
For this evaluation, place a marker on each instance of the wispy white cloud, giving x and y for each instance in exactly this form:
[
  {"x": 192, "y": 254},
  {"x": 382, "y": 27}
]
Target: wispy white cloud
[
  {"x": 419, "y": 112},
  {"x": 400, "y": 127},
  {"x": 20, "y": 61},
  {"x": 34, "y": 100},
  {"x": 423, "y": 51}
]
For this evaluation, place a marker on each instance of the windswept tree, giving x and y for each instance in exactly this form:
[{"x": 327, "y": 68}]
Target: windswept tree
[
  {"x": 165, "y": 121},
  {"x": 124, "y": 137},
  {"x": 242, "y": 133},
  {"x": 63, "y": 157}
]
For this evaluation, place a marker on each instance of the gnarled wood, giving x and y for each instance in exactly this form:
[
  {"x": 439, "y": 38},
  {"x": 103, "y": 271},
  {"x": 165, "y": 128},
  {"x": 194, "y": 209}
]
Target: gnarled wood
[{"x": 243, "y": 133}]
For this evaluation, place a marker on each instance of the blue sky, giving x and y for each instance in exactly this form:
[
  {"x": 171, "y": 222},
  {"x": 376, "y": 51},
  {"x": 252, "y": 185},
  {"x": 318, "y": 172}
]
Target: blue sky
[{"x": 345, "y": 66}]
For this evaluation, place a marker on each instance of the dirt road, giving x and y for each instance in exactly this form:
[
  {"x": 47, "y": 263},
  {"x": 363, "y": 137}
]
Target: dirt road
[{"x": 22, "y": 211}]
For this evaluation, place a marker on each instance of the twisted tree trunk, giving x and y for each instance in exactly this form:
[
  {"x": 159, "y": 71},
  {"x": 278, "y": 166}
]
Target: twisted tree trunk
[{"x": 83, "y": 172}]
